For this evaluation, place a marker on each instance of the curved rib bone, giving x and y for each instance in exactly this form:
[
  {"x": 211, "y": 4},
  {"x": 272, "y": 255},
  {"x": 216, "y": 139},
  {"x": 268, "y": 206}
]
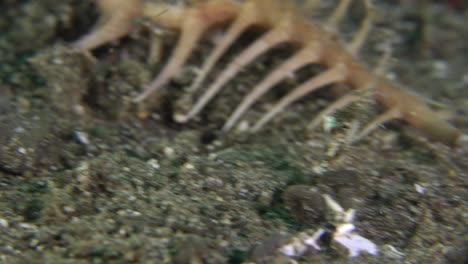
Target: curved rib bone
[
  {"x": 247, "y": 18},
  {"x": 341, "y": 103},
  {"x": 306, "y": 55},
  {"x": 333, "y": 75},
  {"x": 192, "y": 30},
  {"x": 261, "y": 45}
]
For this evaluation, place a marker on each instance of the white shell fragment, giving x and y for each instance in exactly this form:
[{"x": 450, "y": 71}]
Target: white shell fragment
[
  {"x": 82, "y": 137},
  {"x": 296, "y": 248},
  {"x": 312, "y": 241},
  {"x": 354, "y": 242},
  {"x": 419, "y": 188},
  {"x": 332, "y": 204},
  {"x": 344, "y": 234}
]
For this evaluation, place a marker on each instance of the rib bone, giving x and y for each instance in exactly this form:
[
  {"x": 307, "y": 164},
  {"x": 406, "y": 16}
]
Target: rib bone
[
  {"x": 390, "y": 114},
  {"x": 247, "y": 18},
  {"x": 306, "y": 55},
  {"x": 341, "y": 103},
  {"x": 264, "y": 43},
  {"x": 334, "y": 74},
  {"x": 192, "y": 30}
]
